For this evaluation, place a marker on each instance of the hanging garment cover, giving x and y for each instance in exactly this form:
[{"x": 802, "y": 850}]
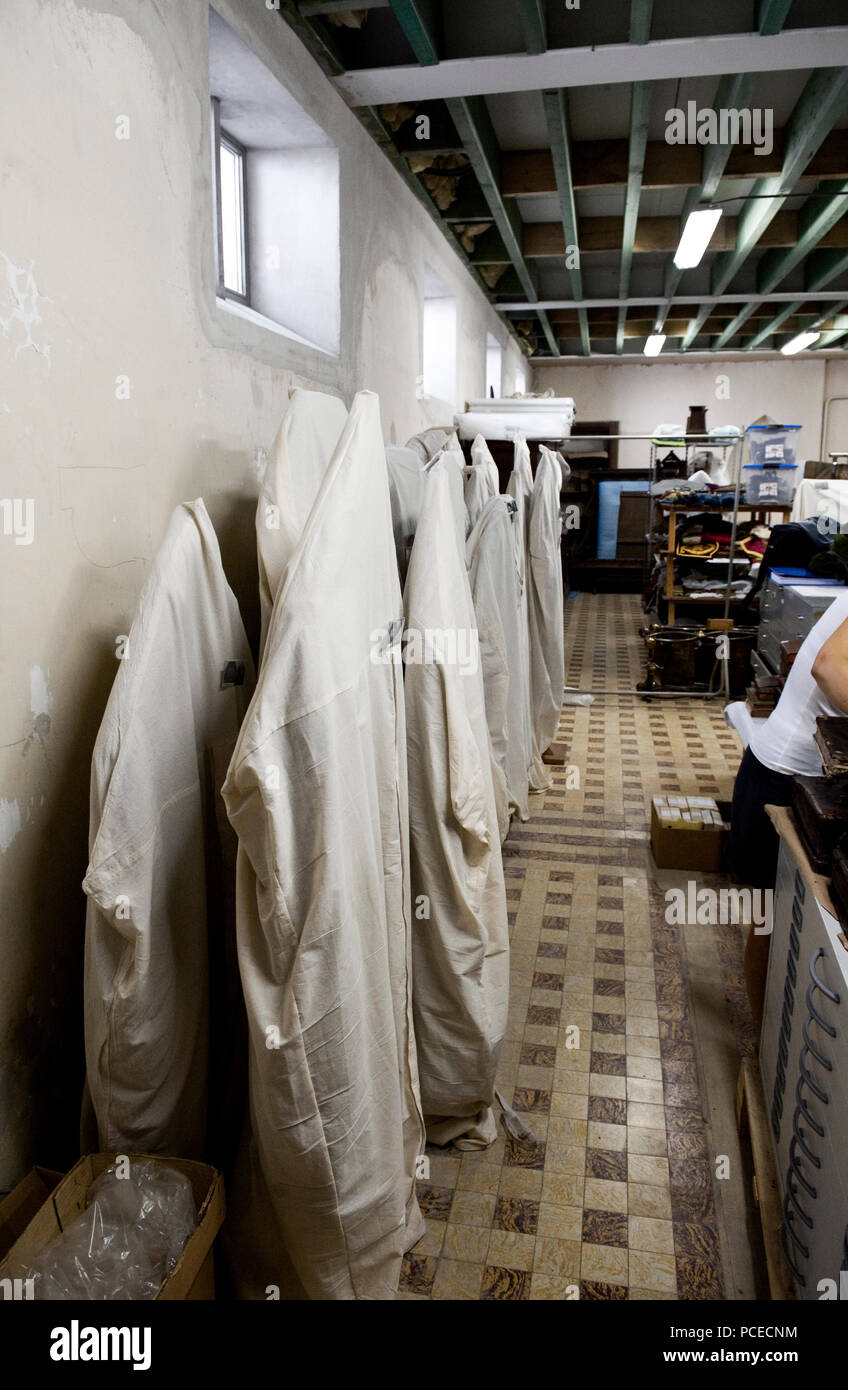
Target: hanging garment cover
[
  {"x": 481, "y": 457},
  {"x": 547, "y": 667},
  {"x": 406, "y": 489},
  {"x": 297, "y": 463},
  {"x": 429, "y": 442},
  {"x": 453, "y": 461},
  {"x": 317, "y": 794},
  {"x": 477, "y": 492},
  {"x": 460, "y": 947},
  {"x": 146, "y": 981},
  {"x": 496, "y": 591},
  {"x": 520, "y": 489}
]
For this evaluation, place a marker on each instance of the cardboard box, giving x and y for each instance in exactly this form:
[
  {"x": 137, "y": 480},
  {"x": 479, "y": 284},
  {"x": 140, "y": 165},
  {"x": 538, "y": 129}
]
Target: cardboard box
[
  {"x": 23, "y": 1203},
  {"x": 688, "y": 832},
  {"x": 194, "y": 1276}
]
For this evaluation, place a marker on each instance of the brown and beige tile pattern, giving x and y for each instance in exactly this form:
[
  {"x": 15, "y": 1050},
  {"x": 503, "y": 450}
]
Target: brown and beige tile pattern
[{"x": 613, "y": 1197}]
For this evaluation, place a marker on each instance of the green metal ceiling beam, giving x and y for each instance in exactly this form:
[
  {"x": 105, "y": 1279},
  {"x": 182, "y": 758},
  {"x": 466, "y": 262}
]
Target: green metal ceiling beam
[
  {"x": 474, "y": 124},
  {"x": 733, "y": 93},
  {"x": 559, "y": 134},
  {"x": 821, "y": 103},
  {"x": 787, "y": 312},
  {"x": 822, "y": 267},
  {"x": 640, "y": 110},
  {"x": 534, "y": 24},
  {"x": 415, "y": 21},
  {"x": 771, "y": 15},
  {"x": 815, "y": 219},
  {"x": 640, "y": 20}
]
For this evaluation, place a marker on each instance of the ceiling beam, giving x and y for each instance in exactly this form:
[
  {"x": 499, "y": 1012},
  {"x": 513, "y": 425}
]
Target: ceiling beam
[
  {"x": 822, "y": 267},
  {"x": 535, "y": 25},
  {"x": 653, "y": 301},
  {"x": 767, "y": 329},
  {"x": 640, "y": 111},
  {"x": 733, "y": 93},
  {"x": 662, "y": 234},
  {"x": 702, "y": 56},
  {"x": 640, "y": 20},
  {"x": 603, "y": 163},
  {"x": 821, "y": 103},
  {"x": 414, "y": 18},
  {"x": 477, "y": 133},
  {"x": 771, "y": 15},
  {"x": 559, "y": 134},
  {"x": 815, "y": 219}
]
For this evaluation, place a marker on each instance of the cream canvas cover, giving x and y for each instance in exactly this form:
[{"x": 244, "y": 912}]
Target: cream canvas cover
[
  {"x": 481, "y": 457},
  {"x": 145, "y": 979},
  {"x": 317, "y": 794},
  {"x": 547, "y": 670},
  {"x": 460, "y": 941},
  {"x": 496, "y": 591},
  {"x": 406, "y": 488},
  {"x": 477, "y": 492},
  {"x": 520, "y": 488},
  {"x": 309, "y": 432}
]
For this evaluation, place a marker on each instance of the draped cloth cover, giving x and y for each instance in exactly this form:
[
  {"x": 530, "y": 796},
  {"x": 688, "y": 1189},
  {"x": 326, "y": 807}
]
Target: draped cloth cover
[
  {"x": 146, "y": 985},
  {"x": 545, "y": 606},
  {"x": 496, "y": 591},
  {"x": 520, "y": 489},
  {"x": 297, "y": 465},
  {"x": 460, "y": 940},
  {"x": 317, "y": 794},
  {"x": 481, "y": 457}
]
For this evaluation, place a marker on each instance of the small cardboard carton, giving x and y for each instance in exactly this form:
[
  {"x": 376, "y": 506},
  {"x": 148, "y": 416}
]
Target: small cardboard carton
[
  {"x": 687, "y": 832},
  {"x": 22, "y": 1204},
  {"x": 193, "y": 1277}
]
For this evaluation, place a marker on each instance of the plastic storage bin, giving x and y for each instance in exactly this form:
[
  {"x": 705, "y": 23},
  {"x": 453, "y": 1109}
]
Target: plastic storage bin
[
  {"x": 772, "y": 444},
  {"x": 773, "y": 483}
]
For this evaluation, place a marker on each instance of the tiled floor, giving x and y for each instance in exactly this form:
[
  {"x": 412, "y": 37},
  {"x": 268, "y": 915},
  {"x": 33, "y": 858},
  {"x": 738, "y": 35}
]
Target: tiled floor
[{"x": 614, "y": 1196}]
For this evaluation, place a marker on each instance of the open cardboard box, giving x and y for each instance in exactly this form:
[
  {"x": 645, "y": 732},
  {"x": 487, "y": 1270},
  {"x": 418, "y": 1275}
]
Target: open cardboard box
[
  {"x": 22, "y": 1204},
  {"x": 194, "y": 1276},
  {"x": 685, "y": 844}
]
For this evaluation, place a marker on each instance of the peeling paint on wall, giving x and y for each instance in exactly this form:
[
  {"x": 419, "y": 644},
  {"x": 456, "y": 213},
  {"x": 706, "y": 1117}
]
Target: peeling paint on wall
[
  {"x": 40, "y": 702},
  {"x": 24, "y": 297}
]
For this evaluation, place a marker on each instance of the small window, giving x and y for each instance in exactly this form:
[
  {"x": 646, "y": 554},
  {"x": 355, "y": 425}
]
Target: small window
[
  {"x": 439, "y": 334},
  {"x": 494, "y": 365},
  {"x": 276, "y": 190},
  {"x": 232, "y": 227}
]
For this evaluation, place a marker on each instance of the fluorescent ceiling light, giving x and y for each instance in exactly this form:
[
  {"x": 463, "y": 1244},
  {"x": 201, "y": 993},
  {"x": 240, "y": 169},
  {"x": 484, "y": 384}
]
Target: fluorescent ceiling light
[
  {"x": 800, "y": 341},
  {"x": 654, "y": 344},
  {"x": 699, "y": 228}
]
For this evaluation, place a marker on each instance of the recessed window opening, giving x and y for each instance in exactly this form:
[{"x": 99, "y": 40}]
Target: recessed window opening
[
  {"x": 276, "y": 170},
  {"x": 520, "y": 382},
  {"x": 439, "y": 333}
]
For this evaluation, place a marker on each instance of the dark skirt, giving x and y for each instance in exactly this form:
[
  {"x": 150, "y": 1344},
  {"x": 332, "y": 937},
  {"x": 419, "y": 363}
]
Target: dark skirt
[{"x": 752, "y": 845}]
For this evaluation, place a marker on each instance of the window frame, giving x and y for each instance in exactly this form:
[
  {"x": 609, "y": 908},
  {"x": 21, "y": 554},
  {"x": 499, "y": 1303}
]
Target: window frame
[{"x": 221, "y": 138}]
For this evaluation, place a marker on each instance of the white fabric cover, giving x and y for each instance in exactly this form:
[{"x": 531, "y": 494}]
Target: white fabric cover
[
  {"x": 496, "y": 591},
  {"x": 481, "y": 457},
  {"x": 477, "y": 493},
  {"x": 146, "y": 979},
  {"x": 454, "y": 463},
  {"x": 520, "y": 488},
  {"x": 460, "y": 950},
  {"x": 317, "y": 794},
  {"x": 547, "y": 664},
  {"x": 428, "y": 443},
  {"x": 297, "y": 463},
  {"x": 406, "y": 489},
  {"x": 821, "y": 497},
  {"x": 515, "y": 422}
]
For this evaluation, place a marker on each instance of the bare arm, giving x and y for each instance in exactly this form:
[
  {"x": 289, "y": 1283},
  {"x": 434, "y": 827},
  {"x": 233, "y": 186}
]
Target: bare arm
[{"x": 830, "y": 668}]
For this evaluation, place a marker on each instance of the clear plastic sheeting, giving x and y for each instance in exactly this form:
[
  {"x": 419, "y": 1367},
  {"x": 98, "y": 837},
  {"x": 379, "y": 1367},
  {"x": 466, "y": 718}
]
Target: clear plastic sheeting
[{"x": 127, "y": 1241}]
